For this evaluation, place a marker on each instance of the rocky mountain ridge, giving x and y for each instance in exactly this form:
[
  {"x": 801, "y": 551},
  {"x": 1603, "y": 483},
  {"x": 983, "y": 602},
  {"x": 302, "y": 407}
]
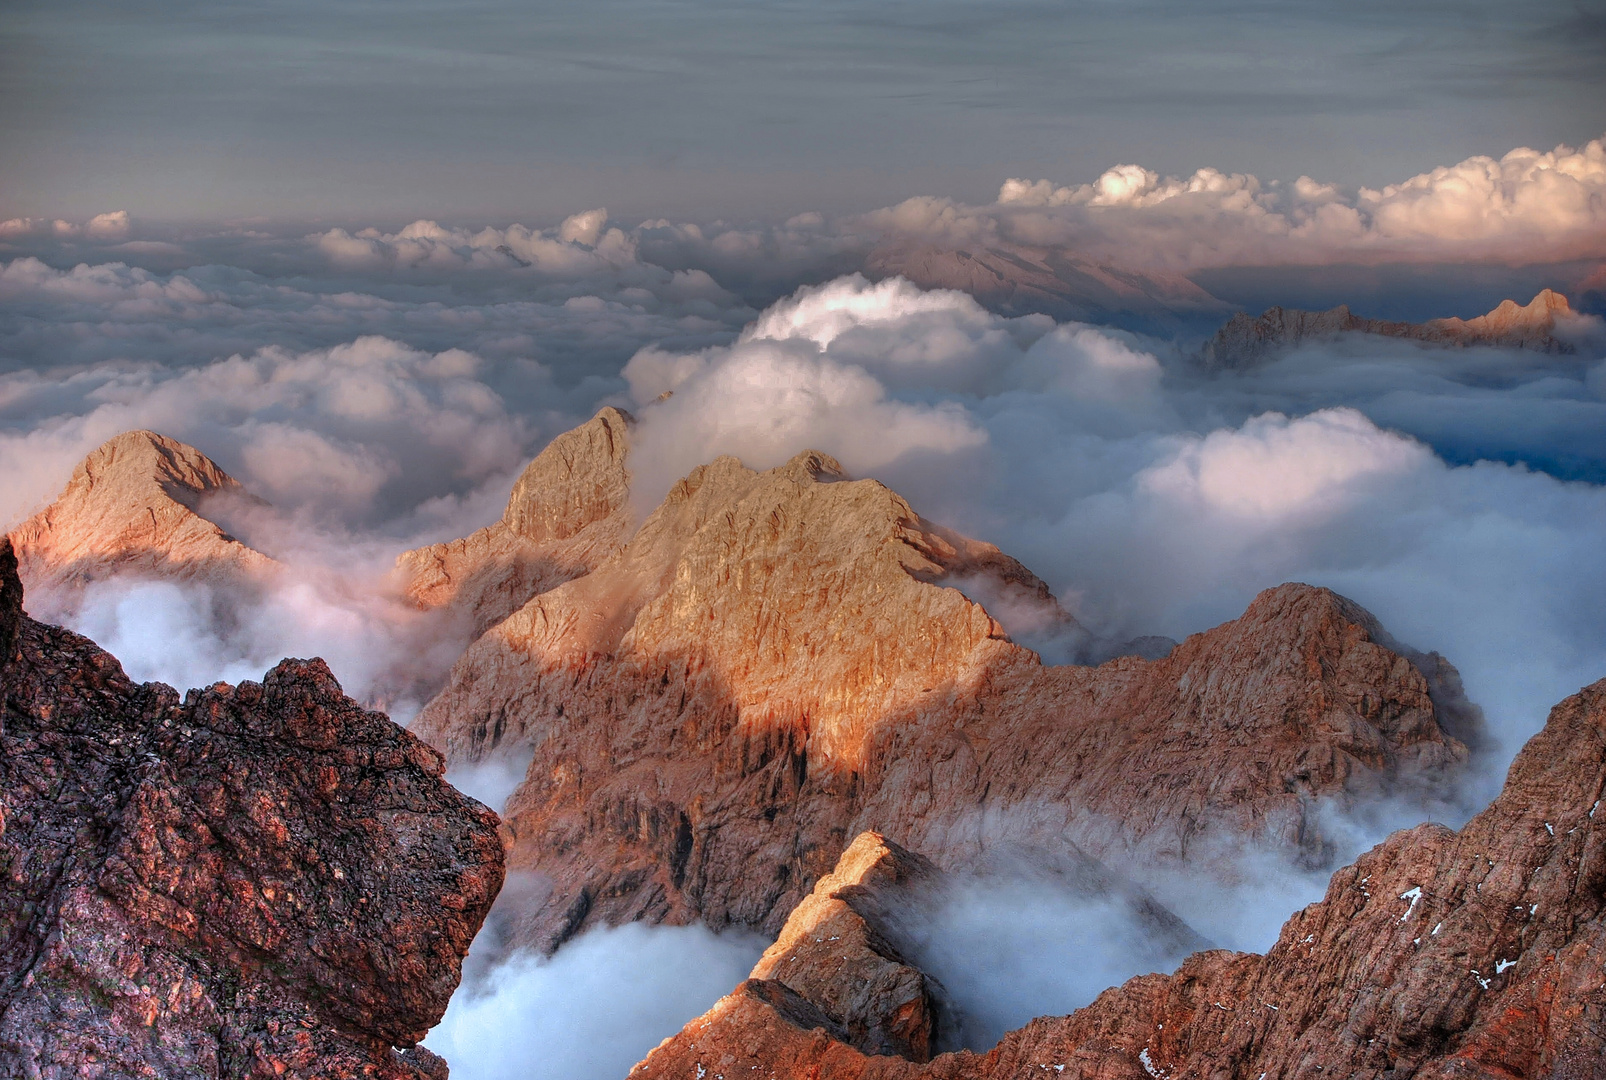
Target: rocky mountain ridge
[
  {"x": 1246, "y": 340},
  {"x": 133, "y": 507},
  {"x": 568, "y": 511},
  {"x": 773, "y": 663},
  {"x": 1475, "y": 955}
]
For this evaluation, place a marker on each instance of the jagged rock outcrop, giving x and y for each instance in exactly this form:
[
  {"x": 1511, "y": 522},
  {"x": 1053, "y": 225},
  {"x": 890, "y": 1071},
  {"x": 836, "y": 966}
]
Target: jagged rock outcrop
[
  {"x": 569, "y": 510},
  {"x": 1021, "y": 280},
  {"x": 839, "y": 952},
  {"x": 772, "y": 665},
  {"x": 133, "y": 508},
  {"x": 1475, "y": 955},
  {"x": 262, "y": 880},
  {"x": 1246, "y": 340}
]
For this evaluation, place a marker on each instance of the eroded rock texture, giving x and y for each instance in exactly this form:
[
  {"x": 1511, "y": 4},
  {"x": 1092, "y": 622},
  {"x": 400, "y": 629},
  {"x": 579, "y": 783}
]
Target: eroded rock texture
[
  {"x": 262, "y": 880},
  {"x": 1245, "y": 339},
  {"x": 1475, "y": 955},
  {"x": 840, "y": 952},
  {"x": 133, "y": 507},
  {"x": 774, "y": 663},
  {"x": 569, "y": 510}
]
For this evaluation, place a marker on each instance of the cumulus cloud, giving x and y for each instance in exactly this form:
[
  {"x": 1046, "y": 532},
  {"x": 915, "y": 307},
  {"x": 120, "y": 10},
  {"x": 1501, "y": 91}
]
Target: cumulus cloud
[
  {"x": 579, "y": 245},
  {"x": 1273, "y": 469},
  {"x": 779, "y": 389},
  {"x": 351, "y": 434},
  {"x": 1527, "y": 206},
  {"x": 113, "y": 225}
]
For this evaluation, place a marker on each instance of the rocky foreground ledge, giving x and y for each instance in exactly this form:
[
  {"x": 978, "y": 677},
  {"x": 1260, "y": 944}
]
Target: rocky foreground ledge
[
  {"x": 1473, "y": 955},
  {"x": 262, "y": 880}
]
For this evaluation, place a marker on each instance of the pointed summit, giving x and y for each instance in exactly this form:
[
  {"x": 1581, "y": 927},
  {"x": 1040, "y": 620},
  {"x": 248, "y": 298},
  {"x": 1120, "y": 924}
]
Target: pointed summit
[
  {"x": 133, "y": 506},
  {"x": 569, "y": 510},
  {"x": 1528, "y": 326}
]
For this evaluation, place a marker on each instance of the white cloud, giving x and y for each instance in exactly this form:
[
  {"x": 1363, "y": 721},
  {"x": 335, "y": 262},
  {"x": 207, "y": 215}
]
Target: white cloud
[
  {"x": 580, "y": 245},
  {"x": 1273, "y": 468},
  {"x": 1526, "y": 206},
  {"x": 323, "y": 431},
  {"x": 849, "y": 367},
  {"x": 765, "y": 401},
  {"x": 109, "y": 226},
  {"x": 113, "y": 225},
  {"x": 823, "y": 313},
  {"x": 593, "y": 1009}
]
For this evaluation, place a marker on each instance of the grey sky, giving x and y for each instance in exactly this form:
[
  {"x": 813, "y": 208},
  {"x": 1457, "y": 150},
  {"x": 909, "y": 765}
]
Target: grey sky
[{"x": 371, "y": 111}]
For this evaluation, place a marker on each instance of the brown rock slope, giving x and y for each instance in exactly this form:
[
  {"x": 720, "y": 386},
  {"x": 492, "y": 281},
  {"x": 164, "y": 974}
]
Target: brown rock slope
[
  {"x": 257, "y": 881},
  {"x": 1246, "y": 340},
  {"x": 131, "y": 508},
  {"x": 1478, "y": 955},
  {"x": 838, "y": 952},
  {"x": 569, "y": 510},
  {"x": 772, "y": 665}
]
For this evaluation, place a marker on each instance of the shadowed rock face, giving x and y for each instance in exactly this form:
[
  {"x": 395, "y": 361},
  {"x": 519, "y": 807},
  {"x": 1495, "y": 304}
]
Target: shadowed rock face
[
  {"x": 773, "y": 664},
  {"x": 1246, "y": 340},
  {"x": 1479, "y": 954},
  {"x": 131, "y": 508},
  {"x": 262, "y": 880},
  {"x": 569, "y": 510}
]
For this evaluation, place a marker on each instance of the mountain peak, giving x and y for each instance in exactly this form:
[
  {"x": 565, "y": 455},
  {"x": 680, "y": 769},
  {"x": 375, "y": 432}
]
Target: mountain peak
[
  {"x": 133, "y": 506},
  {"x": 140, "y": 458},
  {"x": 776, "y": 655},
  {"x": 1245, "y": 340},
  {"x": 578, "y": 479},
  {"x": 568, "y": 511}
]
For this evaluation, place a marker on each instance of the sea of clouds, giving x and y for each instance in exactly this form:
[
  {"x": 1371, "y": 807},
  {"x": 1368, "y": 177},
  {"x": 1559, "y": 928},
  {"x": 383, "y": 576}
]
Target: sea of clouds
[{"x": 380, "y": 388}]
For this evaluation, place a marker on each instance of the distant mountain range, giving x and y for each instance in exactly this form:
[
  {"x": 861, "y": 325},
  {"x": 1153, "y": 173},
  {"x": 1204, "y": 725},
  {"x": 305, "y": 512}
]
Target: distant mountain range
[
  {"x": 1020, "y": 281},
  {"x": 1247, "y": 340}
]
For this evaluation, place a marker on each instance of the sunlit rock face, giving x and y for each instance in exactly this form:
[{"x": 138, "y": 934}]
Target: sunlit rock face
[
  {"x": 775, "y": 662},
  {"x": 134, "y": 507},
  {"x": 569, "y": 510},
  {"x": 1246, "y": 340},
  {"x": 255, "y": 880},
  {"x": 1471, "y": 954}
]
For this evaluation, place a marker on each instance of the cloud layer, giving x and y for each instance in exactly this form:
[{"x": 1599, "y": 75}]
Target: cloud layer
[
  {"x": 381, "y": 387},
  {"x": 594, "y": 1009},
  {"x": 1527, "y": 206}
]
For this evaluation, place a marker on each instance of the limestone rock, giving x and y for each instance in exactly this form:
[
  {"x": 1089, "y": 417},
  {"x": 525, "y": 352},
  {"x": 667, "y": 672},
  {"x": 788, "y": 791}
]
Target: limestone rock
[
  {"x": 133, "y": 507},
  {"x": 1478, "y": 954},
  {"x": 569, "y": 510},
  {"x": 838, "y": 951},
  {"x": 773, "y": 664},
  {"x": 256, "y": 881},
  {"x": 1246, "y": 340}
]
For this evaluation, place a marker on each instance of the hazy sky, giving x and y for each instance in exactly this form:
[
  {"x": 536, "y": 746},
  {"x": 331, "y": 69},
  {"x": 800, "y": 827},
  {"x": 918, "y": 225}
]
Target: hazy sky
[{"x": 489, "y": 109}]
